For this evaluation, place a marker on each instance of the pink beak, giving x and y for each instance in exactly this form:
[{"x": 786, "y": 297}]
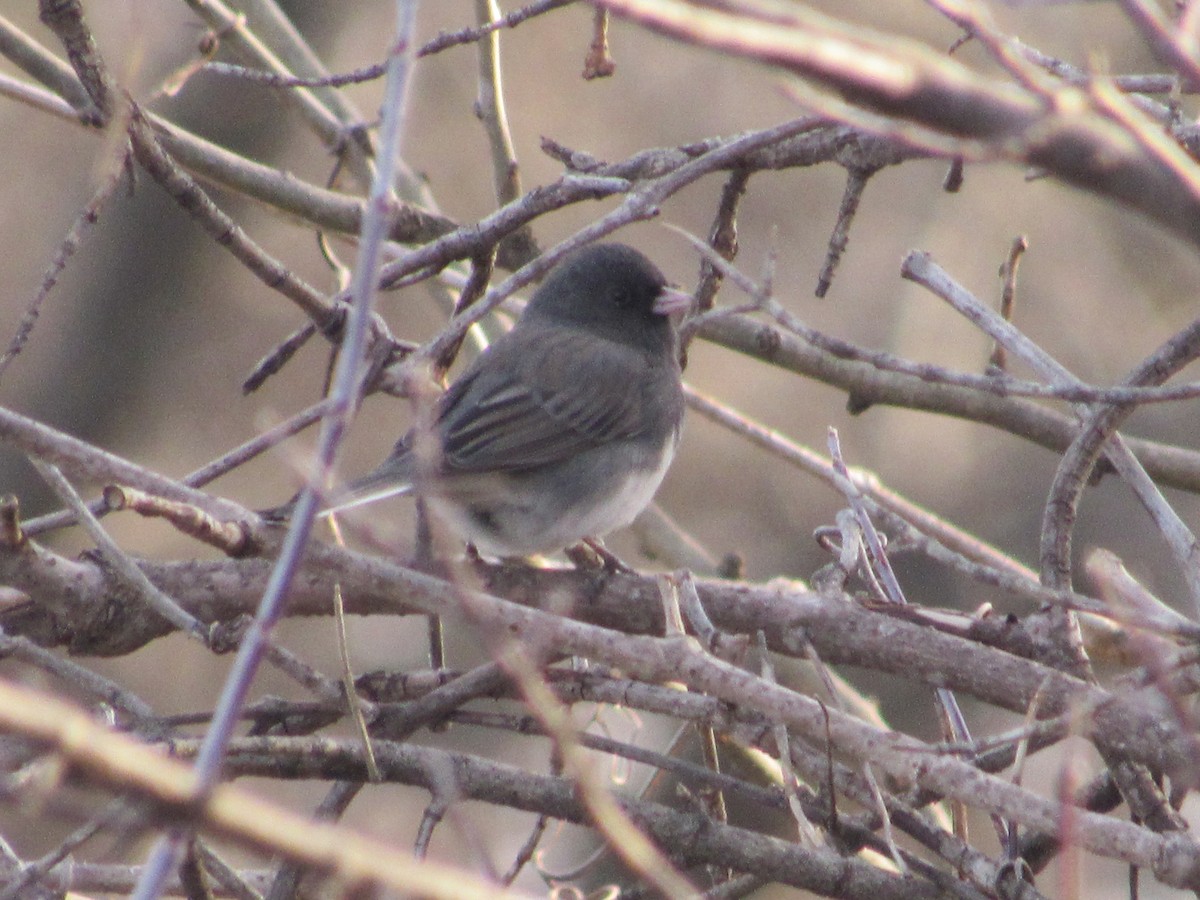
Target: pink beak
[{"x": 672, "y": 301}]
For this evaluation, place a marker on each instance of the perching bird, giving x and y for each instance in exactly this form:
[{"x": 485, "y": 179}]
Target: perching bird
[{"x": 564, "y": 427}]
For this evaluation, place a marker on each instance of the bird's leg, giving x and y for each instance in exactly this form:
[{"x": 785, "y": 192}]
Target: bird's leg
[{"x": 590, "y": 553}]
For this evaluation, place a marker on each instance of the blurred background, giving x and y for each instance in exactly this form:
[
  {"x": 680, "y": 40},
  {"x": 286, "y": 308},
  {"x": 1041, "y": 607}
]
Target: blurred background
[{"x": 143, "y": 346}]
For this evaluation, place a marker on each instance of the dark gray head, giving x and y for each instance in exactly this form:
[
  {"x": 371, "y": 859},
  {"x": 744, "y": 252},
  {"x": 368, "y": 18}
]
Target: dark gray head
[{"x": 613, "y": 291}]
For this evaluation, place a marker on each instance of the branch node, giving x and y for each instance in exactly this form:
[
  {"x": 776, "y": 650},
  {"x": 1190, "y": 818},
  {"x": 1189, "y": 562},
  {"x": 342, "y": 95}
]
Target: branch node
[
  {"x": 231, "y": 538},
  {"x": 12, "y": 537},
  {"x": 599, "y": 62}
]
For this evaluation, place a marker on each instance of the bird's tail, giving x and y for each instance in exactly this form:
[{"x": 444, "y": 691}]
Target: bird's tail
[{"x": 391, "y": 479}]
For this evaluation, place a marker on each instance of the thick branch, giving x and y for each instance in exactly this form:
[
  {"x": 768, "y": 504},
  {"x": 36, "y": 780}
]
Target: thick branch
[{"x": 1063, "y": 132}]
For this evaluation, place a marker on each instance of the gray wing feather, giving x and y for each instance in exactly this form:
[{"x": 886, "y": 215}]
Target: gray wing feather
[{"x": 525, "y": 410}]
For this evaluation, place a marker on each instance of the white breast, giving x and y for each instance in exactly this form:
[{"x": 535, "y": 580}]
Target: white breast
[
  {"x": 524, "y": 525},
  {"x": 622, "y": 507}
]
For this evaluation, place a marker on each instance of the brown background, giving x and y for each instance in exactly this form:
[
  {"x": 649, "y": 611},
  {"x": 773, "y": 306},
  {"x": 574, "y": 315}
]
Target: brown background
[{"x": 143, "y": 346}]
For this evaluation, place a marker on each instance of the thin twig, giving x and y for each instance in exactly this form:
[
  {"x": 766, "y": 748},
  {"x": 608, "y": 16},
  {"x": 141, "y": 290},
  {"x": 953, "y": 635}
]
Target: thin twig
[
  {"x": 856, "y": 183},
  {"x": 807, "y": 834},
  {"x": 343, "y": 397},
  {"x": 118, "y": 470},
  {"x": 237, "y": 33},
  {"x": 82, "y": 225},
  {"x": 491, "y": 111},
  {"x": 1080, "y": 457},
  {"x": 1008, "y": 296},
  {"x": 133, "y": 577},
  {"x": 219, "y": 225}
]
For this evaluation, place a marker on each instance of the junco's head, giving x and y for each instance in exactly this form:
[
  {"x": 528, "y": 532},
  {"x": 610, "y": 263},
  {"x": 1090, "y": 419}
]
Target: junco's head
[
  {"x": 564, "y": 427},
  {"x": 612, "y": 291}
]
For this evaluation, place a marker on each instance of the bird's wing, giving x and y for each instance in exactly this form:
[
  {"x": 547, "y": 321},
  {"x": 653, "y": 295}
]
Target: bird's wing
[{"x": 534, "y": 405}]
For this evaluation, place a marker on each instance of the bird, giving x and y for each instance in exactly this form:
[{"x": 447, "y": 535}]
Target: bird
[{"x": 562, "y": 430}]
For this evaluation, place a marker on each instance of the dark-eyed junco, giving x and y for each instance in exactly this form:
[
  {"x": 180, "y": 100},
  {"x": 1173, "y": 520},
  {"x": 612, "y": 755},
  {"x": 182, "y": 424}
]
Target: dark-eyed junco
[{"x": 564, "y": 427}]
